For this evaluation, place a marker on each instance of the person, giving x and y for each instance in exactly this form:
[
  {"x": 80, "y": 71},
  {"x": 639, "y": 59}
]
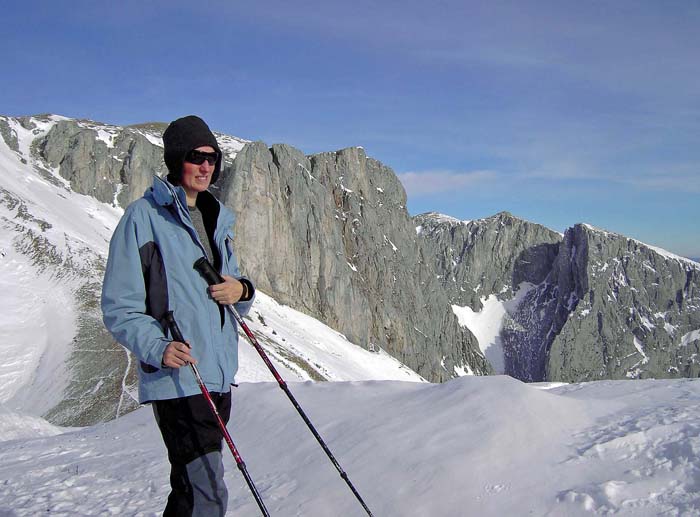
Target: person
[{"x": 150, "y": 272}]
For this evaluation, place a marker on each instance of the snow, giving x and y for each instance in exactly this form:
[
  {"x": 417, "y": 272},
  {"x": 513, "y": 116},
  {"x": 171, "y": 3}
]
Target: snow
[
  {"x": 648, "y": 324},
  {"x": 638, "y": 345},
  {"x": 37, "y": 321},
  {"x": 689, "y": 337},
  {"x": 438, "y": 218},
  {"x": 668, "y": 254},
  {"x": 598, "y": 230},
  {"x": 229, "y": 145},
  {"x": 152, "y": 138},
  {"x": 285, "y": 332},
  {"x": 487, "y": 446},
  {"x": 487, "y": 323},
  {"x": 18, "y": 426}
]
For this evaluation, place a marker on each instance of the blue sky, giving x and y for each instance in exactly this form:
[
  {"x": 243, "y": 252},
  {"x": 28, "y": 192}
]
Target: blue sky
[{"x": 559, "y": 112}]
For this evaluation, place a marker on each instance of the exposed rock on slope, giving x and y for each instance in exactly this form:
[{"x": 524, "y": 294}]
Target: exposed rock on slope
[
  {"x": 634, "y": 311},
  {"x": 83, "y": 381},
  {"x": 494, "y": 255},
  {"x": 598, "y": 305},
  {"x": 112, "y": 164},
  {"x": 329, "y": 234}
]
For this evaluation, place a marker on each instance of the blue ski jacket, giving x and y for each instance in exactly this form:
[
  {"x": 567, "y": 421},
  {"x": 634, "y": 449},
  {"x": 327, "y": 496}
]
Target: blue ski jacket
[{"x": 150, "y": 271}]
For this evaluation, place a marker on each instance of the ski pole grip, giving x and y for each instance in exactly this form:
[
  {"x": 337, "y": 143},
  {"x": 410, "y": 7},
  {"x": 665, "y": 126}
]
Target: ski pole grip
[
  {"x": 172, "y": 326},
  {"x": 207, "y": 271}
]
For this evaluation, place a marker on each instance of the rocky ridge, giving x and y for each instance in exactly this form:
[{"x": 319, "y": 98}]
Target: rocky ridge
[
  {"x": 327, "y": 234},
  {"x": 634, "y": 310},
  {"x": 594, "y": 305},
  {"x": 494, "y": 255}
]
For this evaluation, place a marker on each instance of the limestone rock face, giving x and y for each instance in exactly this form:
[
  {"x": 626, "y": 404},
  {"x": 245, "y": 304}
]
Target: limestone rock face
[
  {"x": 488, "y": 256},
  {"x": 113, "y": 164},
  {"x": 594, "y": 304},
  {"x": 632, "y": 311},
  {"x": 329, "y": 234}
]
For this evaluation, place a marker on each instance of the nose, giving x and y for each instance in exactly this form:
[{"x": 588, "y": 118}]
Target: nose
[{"x": 205, "y": 167}]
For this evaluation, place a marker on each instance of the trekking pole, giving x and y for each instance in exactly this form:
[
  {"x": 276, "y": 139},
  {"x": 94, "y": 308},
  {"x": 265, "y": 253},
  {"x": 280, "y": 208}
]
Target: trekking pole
[
  {"x": 177, "y": 336},
  {"x": 213, "y": 277}
]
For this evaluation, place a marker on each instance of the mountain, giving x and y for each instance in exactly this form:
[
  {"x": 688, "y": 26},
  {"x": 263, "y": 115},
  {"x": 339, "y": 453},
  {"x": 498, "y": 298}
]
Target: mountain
[
  {"x": 494, "y": 255},
  {"x": 587, "y": 305},
  {"x": 62, "y": 188},
  {"x": 327, "y": 235}
]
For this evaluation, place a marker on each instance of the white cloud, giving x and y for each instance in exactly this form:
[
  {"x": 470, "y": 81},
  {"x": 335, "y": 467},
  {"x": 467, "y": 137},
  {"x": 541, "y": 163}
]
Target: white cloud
[{"x": 423, "y": 183}]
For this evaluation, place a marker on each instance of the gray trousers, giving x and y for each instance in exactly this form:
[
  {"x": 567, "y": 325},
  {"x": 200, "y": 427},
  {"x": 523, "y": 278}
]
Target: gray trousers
[{"x": 193, "y": 439}]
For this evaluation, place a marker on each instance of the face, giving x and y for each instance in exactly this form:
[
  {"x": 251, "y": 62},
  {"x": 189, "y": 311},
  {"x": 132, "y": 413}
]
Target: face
[{"x": 196, "y": 178}]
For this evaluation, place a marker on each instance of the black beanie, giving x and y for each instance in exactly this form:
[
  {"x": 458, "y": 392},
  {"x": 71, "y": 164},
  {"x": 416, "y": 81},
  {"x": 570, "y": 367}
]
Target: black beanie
[{"x": 180, "y": 137}]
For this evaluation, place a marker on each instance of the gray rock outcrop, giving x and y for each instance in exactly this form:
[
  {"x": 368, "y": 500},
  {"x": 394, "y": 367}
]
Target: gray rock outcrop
[
  {"x": 632, "y": 311},
  {"x": 329, "y": 234},
  {"x": 595, "y": 305},
  {"x": 487, "y": 256},
  {"x": 112, "y": 164}
]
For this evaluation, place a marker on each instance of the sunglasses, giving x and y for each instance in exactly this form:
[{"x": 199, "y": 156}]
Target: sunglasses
[{"x": 197, "y": 157}]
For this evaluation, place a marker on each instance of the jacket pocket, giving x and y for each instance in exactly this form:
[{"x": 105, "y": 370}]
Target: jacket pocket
[{"x": 147, "y": 368}]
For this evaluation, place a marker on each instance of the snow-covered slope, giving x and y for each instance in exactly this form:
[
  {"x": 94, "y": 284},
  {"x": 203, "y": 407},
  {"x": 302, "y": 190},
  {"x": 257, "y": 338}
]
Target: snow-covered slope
[{"x": 487, "y": 446}]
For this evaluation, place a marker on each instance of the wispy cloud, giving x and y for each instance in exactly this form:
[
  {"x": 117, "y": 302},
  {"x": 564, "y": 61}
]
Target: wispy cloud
[
  {"x": 666, "y": 182},
  {"x": 424, "y": 183}
]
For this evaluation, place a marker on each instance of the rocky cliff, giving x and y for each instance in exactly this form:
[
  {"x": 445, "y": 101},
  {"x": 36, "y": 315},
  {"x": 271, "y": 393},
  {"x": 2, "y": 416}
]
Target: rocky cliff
[
  {"x": 592, "y": 305},
  {"x": 632, "y": 311},
  {"x": 329, "y": 234},
  {"x": 494, "y": 255}
]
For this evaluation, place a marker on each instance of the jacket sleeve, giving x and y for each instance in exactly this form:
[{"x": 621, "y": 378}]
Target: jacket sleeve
[
  {"x": 124, "y": 296},
  {"x": 243, "y": 307}
]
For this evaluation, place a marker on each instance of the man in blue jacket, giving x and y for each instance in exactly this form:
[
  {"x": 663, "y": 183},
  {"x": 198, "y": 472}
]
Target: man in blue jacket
[{"x": 150, "y": 272}]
